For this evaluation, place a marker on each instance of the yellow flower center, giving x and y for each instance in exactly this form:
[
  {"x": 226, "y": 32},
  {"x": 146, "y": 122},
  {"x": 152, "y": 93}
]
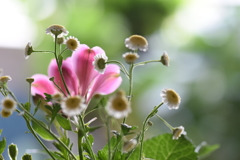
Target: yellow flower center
[
  {"x": 119, "y": 103},
  {"x": 101, "y": 63},
  {"x": 8, "y": 104},
  {"x": 72, "y": 44},
  {"x": 172, "y": 96},
  {"x": 138, "y": 40},
  {"x": 5, "y": 113},
  {"x": 73, "y": 102}
]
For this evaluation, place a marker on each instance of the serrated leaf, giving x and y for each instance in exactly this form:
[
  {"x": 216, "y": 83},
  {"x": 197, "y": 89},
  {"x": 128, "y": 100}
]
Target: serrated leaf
[
  {"x": 42, "y": 132},
  {"x": 103, "y": 153},
  {"x": 91, "y": 140},
  {"x": 206, "y": 149},
  {"x": 55, "y": 109},
  {"x": 48, "y": 97},
  {"x": 64, "y": 122},
  {"x": 162, "y": 147},
  {"x": 3, "y": 144}
]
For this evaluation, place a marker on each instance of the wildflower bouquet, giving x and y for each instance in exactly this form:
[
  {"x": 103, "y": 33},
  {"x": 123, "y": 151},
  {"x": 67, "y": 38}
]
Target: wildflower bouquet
[{"x": 64, "y": 95}]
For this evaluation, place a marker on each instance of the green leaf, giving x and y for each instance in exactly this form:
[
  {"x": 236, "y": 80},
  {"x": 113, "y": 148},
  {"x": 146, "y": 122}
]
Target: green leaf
[
  {"x": 48, "y": 97},
  {"x": 162, "y": 147},
  {"x": 103, "y": 153},
  {"x": 0, "y": 132},
  {"x": 91, "y": 140},
  {"x": 64, "y": 122},
  {"x": 37, "y": 107},
  {"x": 204, "y": 149},
  {"x": 55, "y": 109},
  {"x": 27, "y": 106},
  {"x": 3, "y": 144},
  {"x": 42, "y": 132}
]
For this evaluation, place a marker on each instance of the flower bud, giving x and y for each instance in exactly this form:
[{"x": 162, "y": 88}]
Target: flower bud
[
  {"x": 26, "y": 157},
  {"x": 12, "y": 151}
]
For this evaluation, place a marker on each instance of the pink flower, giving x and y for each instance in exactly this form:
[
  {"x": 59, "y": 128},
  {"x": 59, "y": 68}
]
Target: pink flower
[{"x": 80, "y": 76}]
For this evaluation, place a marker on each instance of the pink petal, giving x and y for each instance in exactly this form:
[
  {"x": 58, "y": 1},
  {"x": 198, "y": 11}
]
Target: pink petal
[
  {"x": 42, "y": 85},
  {"x": 82, "y": 64},
  {"x": 106, "y": 83},
  {"x": 68, "y": 74}
]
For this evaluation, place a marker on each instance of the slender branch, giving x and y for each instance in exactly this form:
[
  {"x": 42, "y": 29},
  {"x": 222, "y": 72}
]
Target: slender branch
[
  {"x": 86, "y": 138},
  {"x": 62, "y": 51},
  {"x": 108, "y": 135},
  {"x": 59, "y": 67},
  {"x": 121, "y": 65},
  {"x": 80, "y": 149},
  {"x": 145, "y": 62},
  {"x": 151, "y": 114},
  {"x": 166, "y": 123}
]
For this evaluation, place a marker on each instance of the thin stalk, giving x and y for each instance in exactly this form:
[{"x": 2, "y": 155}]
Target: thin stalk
[
  {"x": 115, "y": 149},
  {"x": 59, "y": 88},
  {"x": 40, "y": 124},
  {"x": 59, "y": 67},
  {"x": 44, "y": 51},
  {"x": 145, "y": 62},
  {"x": 166, "y": 123},
  {"x": 108, "y": 135},
  {"x": 80, "y": 149},
  {"x": 62, "y": 51},
  {"x": 121, "y": 65},
  {"x": 86, "y": 138},
  {"x": 143, "y": 129}
]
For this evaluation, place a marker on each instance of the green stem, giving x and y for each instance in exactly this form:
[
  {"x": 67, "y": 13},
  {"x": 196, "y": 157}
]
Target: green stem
[
  {"x": 58, "y": 87},
  {"x": 59, "y": 67},
  {"x": 62, "y": 51},
  {"x": 121, "y": 65},
  {"x": 166, "y": 123},
  {"x": 115, "y": 149},
  {"x": 86, "y": 138},
  {"x": 44, "y": 51},
  {"x": 151, "y": 114},
  {"x": 40, "y": 124},
  {"x": 145, "y": 62},
  {"x": 80, "y": 149},
  {"x": 108, "y": 135}
]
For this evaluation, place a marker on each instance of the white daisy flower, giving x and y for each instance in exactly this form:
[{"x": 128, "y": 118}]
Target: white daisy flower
[
  {"x": 8, "y": 104},
  {"x": 118, "y": 105},
  {"x": 72, "y": 43},
  {"x": 165, "y": 59},
  {"x": 177, "y": 132},
  {"x": 99, "y": 63},
  {"x": 57, "y": 30},
  {"x": 73, "y": 105},
  {"x": 57, "y": 97},
  {"x": 130, "y": 57},
  {"x": 129, "y": 145},
  {"x": 28, "y": 50},
  {"x": 171, "y": 98},
  {"x": 136, "y": 42}
]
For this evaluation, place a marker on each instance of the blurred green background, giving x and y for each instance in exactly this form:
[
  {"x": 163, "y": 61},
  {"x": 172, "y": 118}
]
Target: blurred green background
[{"x": 202, "y": 39}]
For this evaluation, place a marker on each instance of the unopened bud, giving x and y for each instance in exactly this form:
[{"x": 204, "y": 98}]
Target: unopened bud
[
  {"x": 26, "y": 157},
  {"x": 12, "y": 151}
]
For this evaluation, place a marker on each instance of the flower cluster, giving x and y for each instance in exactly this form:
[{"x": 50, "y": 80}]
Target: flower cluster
[{"x": 66, "y": 92}]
